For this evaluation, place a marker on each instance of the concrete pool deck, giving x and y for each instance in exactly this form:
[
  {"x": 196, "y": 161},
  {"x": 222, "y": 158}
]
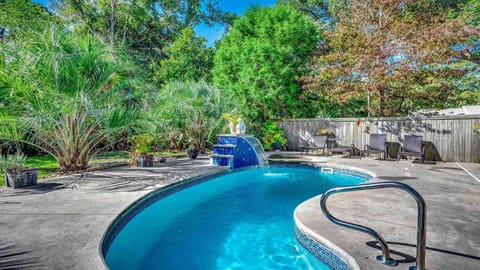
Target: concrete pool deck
[
  {"x": 59, "y": 223},
  {"x": 452, "y": 196}
]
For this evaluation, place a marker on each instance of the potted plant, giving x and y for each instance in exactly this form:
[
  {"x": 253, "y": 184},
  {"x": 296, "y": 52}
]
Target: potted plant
[
  {"x": 196, "y": 132},
  {"x": 139, "y": 155},
  {"x": 192, "y": 151},
  {"x": 16, "y": 173},
  {"x": 273, "y": 136}
]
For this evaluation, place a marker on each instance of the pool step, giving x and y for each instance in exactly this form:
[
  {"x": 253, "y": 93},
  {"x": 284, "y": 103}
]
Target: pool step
[
  {"x": 222, "y": 160},
  {"x": 225, "y": 145},
  {"x": 224, "y": 149}
]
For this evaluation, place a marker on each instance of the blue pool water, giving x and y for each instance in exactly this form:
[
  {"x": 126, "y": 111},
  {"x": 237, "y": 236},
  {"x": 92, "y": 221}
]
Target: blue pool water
[{"x": 240, "y": 220}]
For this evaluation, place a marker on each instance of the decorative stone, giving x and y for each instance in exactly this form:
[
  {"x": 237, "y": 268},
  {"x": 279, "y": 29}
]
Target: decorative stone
[{"x": 241, "y": 128}]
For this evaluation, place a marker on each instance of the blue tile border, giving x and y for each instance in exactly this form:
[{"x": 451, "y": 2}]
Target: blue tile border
[{"x": 320, "y": 251}]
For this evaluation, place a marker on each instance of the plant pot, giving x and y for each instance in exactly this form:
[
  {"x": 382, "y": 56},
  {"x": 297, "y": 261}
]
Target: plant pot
[
  {"x": 192, "y": 153},
  {"x": 145, "y": 161},
  {"x": 277, "y": 146},
  {"x": 23, "y": 178}
]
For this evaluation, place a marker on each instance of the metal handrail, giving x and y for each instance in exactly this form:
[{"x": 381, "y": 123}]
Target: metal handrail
[{"x": 421, "y": 220}]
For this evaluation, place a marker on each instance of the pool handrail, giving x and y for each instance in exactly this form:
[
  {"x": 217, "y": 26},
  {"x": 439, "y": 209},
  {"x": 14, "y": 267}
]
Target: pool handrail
[{"x": 421, "y": 220}]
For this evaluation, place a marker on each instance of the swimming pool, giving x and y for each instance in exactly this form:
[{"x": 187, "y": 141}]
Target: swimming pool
[{"x": 237, "y": 220}]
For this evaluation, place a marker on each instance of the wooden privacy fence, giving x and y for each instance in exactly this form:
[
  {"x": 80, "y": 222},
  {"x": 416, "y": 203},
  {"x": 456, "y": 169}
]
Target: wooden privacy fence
[{"x": 447, "y": 138}]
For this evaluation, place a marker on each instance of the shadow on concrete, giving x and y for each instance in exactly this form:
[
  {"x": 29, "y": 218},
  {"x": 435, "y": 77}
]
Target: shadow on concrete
[
  {"x": 7, "y": 202},
  {"x": 40, "y": 188},
  {"x": 116, "y": 183},
  {"x": 406, "y": 258},
  {"x": 396, "y": 178},
  {"x": 125, "y": 184},
  {"x": 374, "y": 244},
  {"x": 439, "y": 168},
  {"x": 13, "y": 257}
]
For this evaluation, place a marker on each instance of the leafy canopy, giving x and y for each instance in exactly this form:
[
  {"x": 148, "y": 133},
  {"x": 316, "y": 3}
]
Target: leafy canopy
[
  {"x": 189, "y": 59},
  {"x": 23, "y": 18},
  {"x": 258, "y": 61},
  {"x": 143, "y": 27},
  {"x": 396, "y": 56}
]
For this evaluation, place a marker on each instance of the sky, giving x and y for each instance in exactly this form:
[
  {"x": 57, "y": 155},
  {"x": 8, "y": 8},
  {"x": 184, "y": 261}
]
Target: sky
[{"x": 213, "y": 33}]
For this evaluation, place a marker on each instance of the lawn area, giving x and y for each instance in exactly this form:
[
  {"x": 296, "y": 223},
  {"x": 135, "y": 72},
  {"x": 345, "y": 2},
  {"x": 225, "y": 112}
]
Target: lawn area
[{"x": 48, "y": 166}]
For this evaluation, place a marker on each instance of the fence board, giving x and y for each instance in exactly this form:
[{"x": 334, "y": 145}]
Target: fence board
[{"x": 449, "y": 138}]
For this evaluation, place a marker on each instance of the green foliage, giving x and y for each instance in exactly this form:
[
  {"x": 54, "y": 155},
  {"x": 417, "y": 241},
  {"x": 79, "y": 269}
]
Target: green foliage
[
  {"x": 272, "y": 134},
  {"x": 143, "y": 27},
  {"x": 142, "y": 143},
  {"x": 232, "y": 120},
  {"x": 188, "y": 113},
  {"x": 232, "y": 116},
  {"x": 336, "y": 6},
  {"x": 258, "y": 61},
  {"x": 14, "y": 162},
  {"x": 312, "y": 8},
  {"x": 189, "y": 59},
  {"x": 471, "y": 12},
  {"x": 24, "y": 18},
  {"x": 68, "y": 96}
]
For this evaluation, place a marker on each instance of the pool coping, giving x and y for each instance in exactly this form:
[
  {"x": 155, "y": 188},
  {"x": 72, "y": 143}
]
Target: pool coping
[{"x": 315, "y": 243}]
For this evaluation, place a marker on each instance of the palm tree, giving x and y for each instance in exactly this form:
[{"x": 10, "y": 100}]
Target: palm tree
[
  {"x": 69, "y": 95},
  {"x": 193, "y": 109}
]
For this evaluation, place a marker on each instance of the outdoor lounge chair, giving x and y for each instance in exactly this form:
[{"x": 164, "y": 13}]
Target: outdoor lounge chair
[
  {"x": 318, "y": 142},
  {"x": 376, "y": 145},
  {"x": 335, "y": 147},
  {"x": 412, "y": 146}
]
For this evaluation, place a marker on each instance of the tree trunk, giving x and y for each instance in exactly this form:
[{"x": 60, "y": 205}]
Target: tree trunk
[
  {"x": 124, "y": 36},
  {"x": 68, "y": 165},
  {"x": 381, "y": 110},
  {"x": 112, "y": 23}
]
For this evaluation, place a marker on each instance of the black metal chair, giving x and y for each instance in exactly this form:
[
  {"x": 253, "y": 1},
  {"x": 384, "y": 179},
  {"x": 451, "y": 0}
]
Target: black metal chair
[
  {"x": 317, "y": 143},
  {"x": 412, "y": 147},
  {"x": 376, "y": 145}
]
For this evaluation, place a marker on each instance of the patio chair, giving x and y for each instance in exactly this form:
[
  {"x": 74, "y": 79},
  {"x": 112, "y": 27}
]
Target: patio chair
[
  {"x": 376, "y": 146},
  {"x": 346, "y": 151},
  {"x": 412, "y": 146},
  {"x": 317, "y": 143}
]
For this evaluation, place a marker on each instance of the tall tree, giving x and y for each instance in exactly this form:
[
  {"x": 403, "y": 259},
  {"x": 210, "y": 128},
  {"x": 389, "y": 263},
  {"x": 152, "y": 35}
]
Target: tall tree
[
  {"x": 392, "y": 54},
  {"x": 259, "y": 59},
  {"x": 189, "y": 59},
  {"x": 20, "y": 18},
  {"x": 144, "y": 27},
  {"x": 313, "y": 8}
]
